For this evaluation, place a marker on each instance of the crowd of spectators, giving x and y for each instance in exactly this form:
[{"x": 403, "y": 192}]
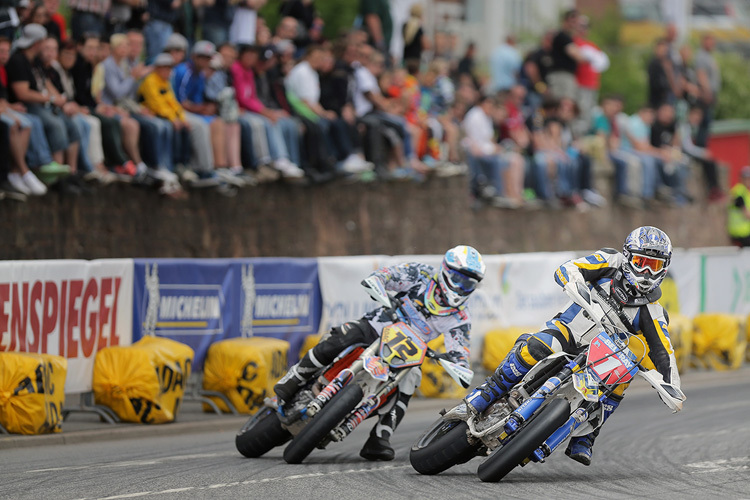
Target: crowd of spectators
[{"x": 205, "y": 94}]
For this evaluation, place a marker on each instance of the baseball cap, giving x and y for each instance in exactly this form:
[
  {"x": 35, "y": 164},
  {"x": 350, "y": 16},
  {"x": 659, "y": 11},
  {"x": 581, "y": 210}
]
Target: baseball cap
[
  {"x": 32, "y": 33},
  {"x": 204, "y": 48}
]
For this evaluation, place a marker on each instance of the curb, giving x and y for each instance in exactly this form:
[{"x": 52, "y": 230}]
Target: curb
[{"x": 123, "y": 431}]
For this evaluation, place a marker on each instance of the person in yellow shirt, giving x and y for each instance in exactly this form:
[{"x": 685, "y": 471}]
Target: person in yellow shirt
[
  {"x": 738, "y": 217},
  {"x": 157, "y": 95}
]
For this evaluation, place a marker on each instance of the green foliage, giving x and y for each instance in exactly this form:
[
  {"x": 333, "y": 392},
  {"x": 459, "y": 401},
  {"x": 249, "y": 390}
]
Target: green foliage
[
  {"x": 626, "y": 75},
  {"x": 734, "y": 98},
  {"x": 339, "y": 15}
]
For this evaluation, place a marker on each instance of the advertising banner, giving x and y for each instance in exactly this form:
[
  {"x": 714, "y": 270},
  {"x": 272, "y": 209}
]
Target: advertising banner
[
  {"x": 71, "y": 308},
  {"x": 201, "y": 301},
  {"x": 725, "y": 281},
  {"x": 518, "y": 289}
]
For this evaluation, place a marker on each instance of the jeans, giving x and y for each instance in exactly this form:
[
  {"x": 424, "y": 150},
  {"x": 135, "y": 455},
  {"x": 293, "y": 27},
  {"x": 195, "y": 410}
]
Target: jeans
[
  {"x": 156, "y": 34},
  {"x": 152, "y": 142},
  {"x": 337, "y": 137},
  {"x": 621, "y": 174},
  {"x": 59, "y": 129},
  {"x": 253, "y": 130},
  {"x": 216, "y": 33},
  {"x": 567, "y": 174},
  {"x": 38, "y": 153},
  {"x": 283, "y": 139},
  {"x": 486, "y": 170},
  {"x": 82, "y": 22},
  {"x": 180, "y": 144},
  {"x": 84, "y": 131}
]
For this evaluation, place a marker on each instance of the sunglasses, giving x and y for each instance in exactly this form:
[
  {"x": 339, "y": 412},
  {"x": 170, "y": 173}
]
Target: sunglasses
[{"x": 641, "y": 263}]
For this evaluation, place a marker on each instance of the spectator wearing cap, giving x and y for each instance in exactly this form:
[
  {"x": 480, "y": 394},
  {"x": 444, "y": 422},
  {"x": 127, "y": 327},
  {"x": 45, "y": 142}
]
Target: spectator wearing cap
[
  {"x": 28, "y": 85},
  {"x": 245, "y": 21},
  {"x": 281, "y": 131},
  {"x": 189, "y": 85},
  {"x": 738, "y": 217},
  {"x": 158, "y": 97},
  {"x": 88, "y": 16},
  {"x": 176, "y": 46},
  {"x": 26, "y": 136},
  {"x": 162, "y": 15}
]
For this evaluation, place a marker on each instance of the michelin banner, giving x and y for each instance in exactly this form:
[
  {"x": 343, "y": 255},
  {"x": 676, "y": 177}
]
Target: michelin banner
[
  {"x": 70, "y": 308},
  {"x": 201, "y": 301}
]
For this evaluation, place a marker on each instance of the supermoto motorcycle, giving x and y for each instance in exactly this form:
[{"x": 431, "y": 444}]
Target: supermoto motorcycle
[
  {"x": 343, "y": 394},
  {"x": 560, "y": 397}
]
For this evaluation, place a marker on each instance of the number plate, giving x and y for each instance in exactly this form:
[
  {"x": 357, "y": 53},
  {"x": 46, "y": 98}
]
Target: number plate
[{"x": 400, "y": 346}]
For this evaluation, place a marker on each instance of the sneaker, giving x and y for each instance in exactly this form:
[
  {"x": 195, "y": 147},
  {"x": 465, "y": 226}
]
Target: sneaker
[
  {"x": 288, "y": 169},
  {"x": 377, "y": 448},
  {"x": 266, "y": 174},
  {"x": 8, "y": 192},
  {"x": 54, "y": 168},
  {"x": 503, "y": 202},
  {"x": 593, "y": 198},
  {"x": 36, "y": 186},
  {"x": 128, "y": 168},
  {"x": 229, "y": 177},
  {"x": 188, "y": 176},
  {"x": 580, "y": 449},
  {"x": 355, "y": 164},
  {"x": 17, "y": 182},
  {"x": 450, "y": 169}
]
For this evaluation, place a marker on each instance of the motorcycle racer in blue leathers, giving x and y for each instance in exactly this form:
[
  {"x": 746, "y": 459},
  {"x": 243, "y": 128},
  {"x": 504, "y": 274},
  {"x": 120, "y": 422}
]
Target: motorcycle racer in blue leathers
[
  {"x": 434, "y": 301},
  {"x": 632, "y": 279}
]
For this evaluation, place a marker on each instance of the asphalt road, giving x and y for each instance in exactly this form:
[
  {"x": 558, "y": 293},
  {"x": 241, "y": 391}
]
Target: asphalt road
[{"x": 643, "y": 452}]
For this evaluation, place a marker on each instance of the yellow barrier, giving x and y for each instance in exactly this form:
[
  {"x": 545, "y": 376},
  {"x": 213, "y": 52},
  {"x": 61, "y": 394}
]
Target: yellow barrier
[
  {"x": 719, "y": 341},
  {"x": 497, "y": 344},
  {"x": 436, "y": 383},
  {"x": 32, "y": 392},
  {"x": 244, "y": 370},
  {"x": 681, "y": 336},
  {"x": 145, "y": 382},
  {"x": 310, "y": 342}
]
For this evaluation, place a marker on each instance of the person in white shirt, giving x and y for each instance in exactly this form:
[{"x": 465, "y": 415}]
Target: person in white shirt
[
  {"x": 495, "y": 174},
  {"x": 303, "y": 91}
]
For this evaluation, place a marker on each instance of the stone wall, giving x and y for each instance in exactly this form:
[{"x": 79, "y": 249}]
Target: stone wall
[{"x": 334, "y": 219}]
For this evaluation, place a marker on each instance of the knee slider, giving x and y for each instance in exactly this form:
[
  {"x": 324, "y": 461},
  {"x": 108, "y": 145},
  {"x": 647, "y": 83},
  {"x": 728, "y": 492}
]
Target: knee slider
[{"x": 537, "y": 349}]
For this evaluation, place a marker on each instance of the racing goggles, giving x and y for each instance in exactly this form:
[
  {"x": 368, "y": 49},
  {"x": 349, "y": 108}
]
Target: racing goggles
[
  {"x": 641, "y": 263},
  {"x": 458, "y": 282}
]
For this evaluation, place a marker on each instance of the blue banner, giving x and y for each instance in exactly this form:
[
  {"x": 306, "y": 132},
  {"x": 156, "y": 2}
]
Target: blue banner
[{"x": 200, "y": 301}]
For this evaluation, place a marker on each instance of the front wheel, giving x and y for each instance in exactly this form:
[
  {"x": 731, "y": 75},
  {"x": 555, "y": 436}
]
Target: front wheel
[
  {"x": 324, "y": 422},
  {"x": 442, "y": 446},
  {"x": 261, "y": 433},
  {"x": 529, "y": 438}
]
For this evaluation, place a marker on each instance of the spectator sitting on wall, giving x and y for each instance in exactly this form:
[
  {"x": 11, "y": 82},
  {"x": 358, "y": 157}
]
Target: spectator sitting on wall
[
  {"x": 28, "y": 85},
  {"x": 703, "y": 156},
  {"x": 494, "y": 175},
  {"x": 738, "y": 220},
  {"x": 673, "y": 166},
  {"x": 636, "y": 150},
  {"x": 111, "y": 130},
  {"x": 157, "y": 95},
  {"x": 19, "y": 181},
  {"x": 303, "y": 90}
]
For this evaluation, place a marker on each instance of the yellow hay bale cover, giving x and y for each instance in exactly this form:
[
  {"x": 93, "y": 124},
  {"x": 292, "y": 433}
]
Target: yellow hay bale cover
[
  {"x": 436, "y": 383},
  {"x": 143, "y": 383},
  {"x": 719, "y": 341},
  {"x": 32, "y": 392},
  {"x": 310, "y": 342},
  {"x": 244, "y": 370},
  {"x": 497, "y": 343}
]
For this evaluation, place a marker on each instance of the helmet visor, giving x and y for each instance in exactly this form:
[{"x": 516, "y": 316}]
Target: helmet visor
[
  {"x": 641, "y": 263},
  {"x": 458, "y": 282}
]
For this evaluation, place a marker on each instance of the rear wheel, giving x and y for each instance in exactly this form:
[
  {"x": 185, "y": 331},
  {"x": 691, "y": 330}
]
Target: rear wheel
[
  {"x": 529, "y": 438},
  {"x": 442, "y": 446},
  {"x": 326, "y": 420},
  {"x": 261, "y": 433}
]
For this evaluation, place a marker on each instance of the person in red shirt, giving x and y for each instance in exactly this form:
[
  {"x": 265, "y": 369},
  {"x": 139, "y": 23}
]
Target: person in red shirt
[{"x": 588, "y": 75}]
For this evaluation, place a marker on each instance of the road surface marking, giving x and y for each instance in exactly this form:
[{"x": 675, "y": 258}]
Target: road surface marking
[{"x": 132, "y": 463}]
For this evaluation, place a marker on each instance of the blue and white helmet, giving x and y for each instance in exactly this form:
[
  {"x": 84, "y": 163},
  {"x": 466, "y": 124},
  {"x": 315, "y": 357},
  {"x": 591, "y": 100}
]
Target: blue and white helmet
[
  {"x": 648, "y": 252},
  {"x": 462, "y": 269}
]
